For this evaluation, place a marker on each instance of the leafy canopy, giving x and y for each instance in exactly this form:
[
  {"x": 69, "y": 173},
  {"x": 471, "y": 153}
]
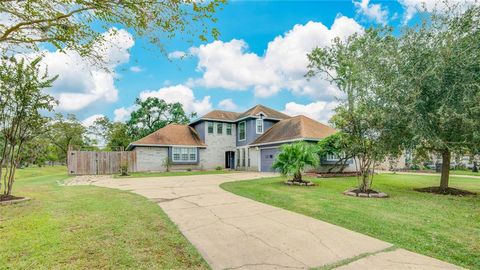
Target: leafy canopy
[
  {"x": 153, "y": 114},
  {"x": 78, "y": 24}
]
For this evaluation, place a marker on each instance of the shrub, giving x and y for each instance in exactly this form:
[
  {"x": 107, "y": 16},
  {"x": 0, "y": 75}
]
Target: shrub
[
  {"x": 293, "y": 159},
  {"x": 124, "y": 169},
  {"x": 189, "y": 169},
  {"x": 218, "y": 168}
]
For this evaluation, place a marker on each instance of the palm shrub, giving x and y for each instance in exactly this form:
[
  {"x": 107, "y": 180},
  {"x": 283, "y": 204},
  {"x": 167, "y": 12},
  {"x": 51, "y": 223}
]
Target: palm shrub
[{"x": 293, "y": 159}]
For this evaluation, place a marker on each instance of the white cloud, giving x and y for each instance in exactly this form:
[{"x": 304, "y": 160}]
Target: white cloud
[
  {"x": 373, "y": 12},
  {"x": 122, "y": 114},
  {"x": 184, "y": 95},
  {"x": 176, "y": 55},
  {"x": 229, "y": 65},
  {"x": 413, "y": 6},
  {"x": 228, "y": 104},
  {"x": 136, "y": 69},
  {"x": 80, "y": 83},
  {"x": 320, "y": 110},
  {"x": 87, "y": 122}
]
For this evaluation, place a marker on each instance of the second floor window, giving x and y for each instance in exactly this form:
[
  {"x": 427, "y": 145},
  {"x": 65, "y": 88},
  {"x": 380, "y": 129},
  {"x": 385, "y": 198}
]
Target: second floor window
[
  {"x": 219, "y": 128},
  {"x": 259, "y": 124},
  {"x": 229, "y": 129},
  {"x": 210, "y": 127},
  {"x": 241, "y": 131}
]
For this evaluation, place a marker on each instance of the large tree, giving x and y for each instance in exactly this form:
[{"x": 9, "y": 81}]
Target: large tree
[
  {"x": 21, "y": 102},
  {"x": 438, "y": 84},
  {"x": 78, "y": 24},
  {"x": 113, "y": 134},
  {"x": 154, "y": 113},
  {"x": 65, "y": 131},
  {"x": 353, "y": 65}
]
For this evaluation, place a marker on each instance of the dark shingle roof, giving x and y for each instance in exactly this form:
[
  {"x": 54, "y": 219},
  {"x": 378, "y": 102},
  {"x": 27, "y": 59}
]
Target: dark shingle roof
[{"x": 298, "y": 127}]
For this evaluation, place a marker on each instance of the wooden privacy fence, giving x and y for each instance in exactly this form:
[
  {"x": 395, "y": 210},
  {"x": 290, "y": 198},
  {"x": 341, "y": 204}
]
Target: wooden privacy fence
[{"x": 93, "y": 162}]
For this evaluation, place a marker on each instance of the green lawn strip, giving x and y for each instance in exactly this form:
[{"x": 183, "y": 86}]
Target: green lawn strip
[
  {"x": 86, "y": 227},
  {"x": 444, "y": 227},
  {"x": 350, "y": 260},
  {"x": 163, "y": 174}
]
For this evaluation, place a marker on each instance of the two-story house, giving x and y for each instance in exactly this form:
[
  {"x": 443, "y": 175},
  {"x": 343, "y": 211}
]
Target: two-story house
[{"x": 242, "y": 141}]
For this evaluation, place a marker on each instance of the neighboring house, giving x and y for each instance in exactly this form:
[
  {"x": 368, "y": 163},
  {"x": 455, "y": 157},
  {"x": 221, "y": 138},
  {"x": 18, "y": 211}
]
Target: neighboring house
[{"x": 243, "y": 141}]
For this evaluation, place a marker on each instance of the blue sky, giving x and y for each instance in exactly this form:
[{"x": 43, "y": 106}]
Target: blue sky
[{"x": 259, "y": 58}]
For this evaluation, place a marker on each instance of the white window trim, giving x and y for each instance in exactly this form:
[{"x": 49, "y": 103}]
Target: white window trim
[
  {"x": 333, "y": 157},
  {"x": 238, "y": 131},
  {"x": 188, "y": 154},
  {"x": 256, "y": 126}
]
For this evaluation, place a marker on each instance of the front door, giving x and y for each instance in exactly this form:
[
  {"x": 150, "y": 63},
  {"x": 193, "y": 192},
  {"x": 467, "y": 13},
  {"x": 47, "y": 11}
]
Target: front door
[{"x": 230, "y": 160}]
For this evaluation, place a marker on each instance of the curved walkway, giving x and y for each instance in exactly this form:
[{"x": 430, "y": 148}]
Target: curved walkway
[{"x": 232, "y": 232}]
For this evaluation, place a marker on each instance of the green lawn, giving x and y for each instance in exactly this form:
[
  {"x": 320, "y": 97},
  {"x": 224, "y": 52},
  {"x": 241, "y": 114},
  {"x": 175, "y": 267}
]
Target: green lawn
[
  {"x": 161, "y": 174},
  {"x": 87, "y": 227},
  {"x": 452, "y": 172},
  {"x": 444, "y": 227}
]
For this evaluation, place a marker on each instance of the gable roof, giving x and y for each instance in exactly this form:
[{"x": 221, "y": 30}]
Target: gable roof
[
  {"x": 295, "y": 128},
  {"x": 235, "y": 116},
  {"x": 172, "y": 134},
  {"x": 221, "y": 115},
  {"x": 268, "y": 112}
]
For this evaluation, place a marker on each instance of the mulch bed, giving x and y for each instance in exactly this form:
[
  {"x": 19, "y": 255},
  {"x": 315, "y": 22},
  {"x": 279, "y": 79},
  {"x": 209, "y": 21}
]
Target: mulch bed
[
  {"x": 368, "y": 194},
  {"x": 445, "y": 191},
  {"x": 10, "y": 199}
]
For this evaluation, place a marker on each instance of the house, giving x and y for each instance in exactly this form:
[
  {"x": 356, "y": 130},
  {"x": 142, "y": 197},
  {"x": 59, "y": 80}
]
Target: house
[{"x": 243, "y": 141}]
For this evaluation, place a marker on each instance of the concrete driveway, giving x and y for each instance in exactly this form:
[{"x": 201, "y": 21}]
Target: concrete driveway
[{"x": 232, "y": 232}]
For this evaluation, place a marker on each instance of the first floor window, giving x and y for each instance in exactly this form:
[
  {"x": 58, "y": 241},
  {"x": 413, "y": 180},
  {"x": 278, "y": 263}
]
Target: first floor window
[
  {"x": 334, "y": 157},
  {"x": 184, "y": 154}
]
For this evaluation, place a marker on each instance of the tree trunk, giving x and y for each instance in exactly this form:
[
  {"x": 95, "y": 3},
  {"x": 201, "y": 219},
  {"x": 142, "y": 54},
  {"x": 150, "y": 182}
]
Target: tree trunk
[
  {"x": 446, "y": 156},
  {"x": 297, "y": 177}
]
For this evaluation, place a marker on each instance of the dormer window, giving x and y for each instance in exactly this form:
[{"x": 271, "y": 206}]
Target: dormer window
[{"x": 259, "y": 125}]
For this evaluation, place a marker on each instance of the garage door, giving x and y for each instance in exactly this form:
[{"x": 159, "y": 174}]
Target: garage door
[{"x": 267, "y": 158}]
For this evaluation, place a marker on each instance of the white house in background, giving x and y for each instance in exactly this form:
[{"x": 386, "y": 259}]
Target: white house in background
[{"x": 243, "y": 141}]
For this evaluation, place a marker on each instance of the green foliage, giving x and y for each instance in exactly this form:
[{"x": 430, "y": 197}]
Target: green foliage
[
  {"x": 68, "y": 24},
  {"x": 63, "y": 131},
  {"x": 167, "y": 163},
  {"x": 153, "y": 114},
  {"x": 21, "y": 102},
  {"x": 124, "y": 169},
  {"x": 336, "y": 144},
  {"x": 218, "y": 168},
  {"x": 293, "y": 158},
  {"x": 351, "y": 65},
  {"x": 114, "y": 134}
]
